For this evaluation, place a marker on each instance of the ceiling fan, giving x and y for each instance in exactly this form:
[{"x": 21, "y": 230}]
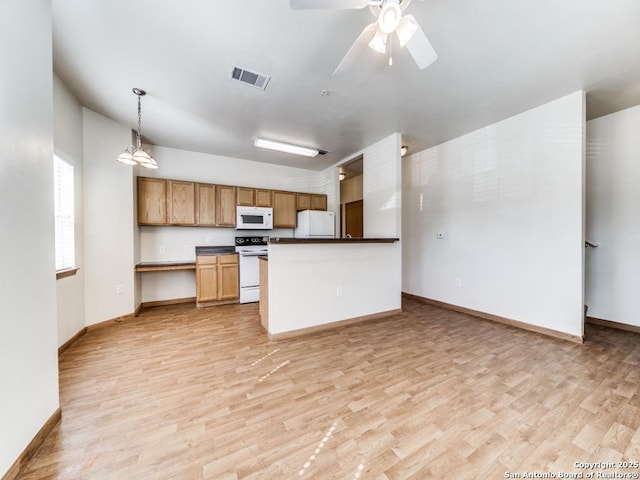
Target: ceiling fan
[{"x": 377, "y": 35}]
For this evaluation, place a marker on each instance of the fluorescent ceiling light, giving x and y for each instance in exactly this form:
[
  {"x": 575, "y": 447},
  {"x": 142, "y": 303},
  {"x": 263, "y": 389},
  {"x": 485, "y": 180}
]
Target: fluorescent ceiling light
[{"x": 285, "y": 147}]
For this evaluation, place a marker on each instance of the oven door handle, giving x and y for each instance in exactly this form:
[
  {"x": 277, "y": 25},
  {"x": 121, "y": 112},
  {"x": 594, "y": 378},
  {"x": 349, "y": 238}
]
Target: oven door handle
[{"x": 254, "y": 254}]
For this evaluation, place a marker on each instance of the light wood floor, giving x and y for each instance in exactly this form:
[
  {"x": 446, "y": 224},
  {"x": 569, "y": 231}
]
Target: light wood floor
[{"x": 180, "y": 393}]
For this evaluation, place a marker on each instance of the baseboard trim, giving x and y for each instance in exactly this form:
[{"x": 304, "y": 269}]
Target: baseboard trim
[
  {"x": 30, "y": 450},
  {"x": 612, "y": 324},
  {"x": 113, "y": 321},
  {"x": 329, "y": 326},
  {"x": 162, "y": 303},
  {"x": 495, "y": 318},
  {"x": 62, "y": 348}
]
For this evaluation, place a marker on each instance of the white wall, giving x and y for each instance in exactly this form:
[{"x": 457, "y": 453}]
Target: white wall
[
  {"x": 28, "y": 346},
  {"x": 109, "y": 250},
  {"x": 382, "y": 188},
  {"x": 613, "y": 197},
  {"x": 67, "y": 138},
  {"x": 304, "y": 278},
  {"x": 509, "y": 200},
  {"x": 178, "y": 243}
]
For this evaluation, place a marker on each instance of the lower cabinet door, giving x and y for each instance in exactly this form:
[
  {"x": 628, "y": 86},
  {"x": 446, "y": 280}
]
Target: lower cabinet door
[
  {"x": 228, "y": 281},
  {"x": 207, "y": 283}
]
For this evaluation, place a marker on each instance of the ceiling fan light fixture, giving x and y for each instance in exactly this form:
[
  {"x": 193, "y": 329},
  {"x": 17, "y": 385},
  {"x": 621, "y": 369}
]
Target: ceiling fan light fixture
[
  {"x": 285, "y": 147},
  {"x": 389, "y": 17},
  {"x": 379, "y": 41},
  {"x": 406, "y": 29}
]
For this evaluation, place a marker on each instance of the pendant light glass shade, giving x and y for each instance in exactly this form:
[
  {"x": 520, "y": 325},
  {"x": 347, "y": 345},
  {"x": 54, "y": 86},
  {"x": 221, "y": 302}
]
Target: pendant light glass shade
[
  {"x": 139, "y": 156},
  {"x": 126, "y": 158}
]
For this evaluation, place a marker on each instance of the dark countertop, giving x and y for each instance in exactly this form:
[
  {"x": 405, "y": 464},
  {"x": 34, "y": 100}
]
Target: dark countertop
[
  {"x": 215, "y": 250},
  {"x": 293, "y": 241}
]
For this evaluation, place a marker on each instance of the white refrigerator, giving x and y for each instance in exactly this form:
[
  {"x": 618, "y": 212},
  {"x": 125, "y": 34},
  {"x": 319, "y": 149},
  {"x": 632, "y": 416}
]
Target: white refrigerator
[{"x": 315, "y": 224}]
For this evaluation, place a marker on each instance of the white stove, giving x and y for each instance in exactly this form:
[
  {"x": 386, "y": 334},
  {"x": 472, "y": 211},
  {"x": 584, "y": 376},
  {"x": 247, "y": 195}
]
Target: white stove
[{"x": 249, "y": 249}]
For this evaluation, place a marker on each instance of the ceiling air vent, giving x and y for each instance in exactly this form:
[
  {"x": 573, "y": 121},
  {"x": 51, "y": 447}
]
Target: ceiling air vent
[{"x": 251, "y": 78}]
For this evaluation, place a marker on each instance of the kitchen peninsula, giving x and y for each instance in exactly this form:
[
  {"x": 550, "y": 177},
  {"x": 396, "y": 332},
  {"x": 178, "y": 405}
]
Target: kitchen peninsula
[{"x": 314, "y": 284}]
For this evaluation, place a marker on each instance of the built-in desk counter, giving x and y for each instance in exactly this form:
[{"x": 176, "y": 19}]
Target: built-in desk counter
[
  {"x": 315, "y": 284},
  {"x": 165, "y": 266}
]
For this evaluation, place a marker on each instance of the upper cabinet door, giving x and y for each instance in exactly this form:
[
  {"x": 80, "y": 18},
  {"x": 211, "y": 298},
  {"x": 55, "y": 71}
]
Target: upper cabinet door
[
  {"x": 284, "y": 210},
  {"x": 181, "y": 203},
  {"x": 226, "y": 206},
  {"x": 263, "y": 197},
  {"x": 303, "y": 201},
  {"x": 318, "y": 202},
  {"x": 152, "y": 201},
  {"x": 246, "y": 197},
  {"x": 205, "y": 205}
]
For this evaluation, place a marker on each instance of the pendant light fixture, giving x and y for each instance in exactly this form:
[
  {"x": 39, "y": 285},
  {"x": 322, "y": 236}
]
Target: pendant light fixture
[{"x": 136, "y": 155}]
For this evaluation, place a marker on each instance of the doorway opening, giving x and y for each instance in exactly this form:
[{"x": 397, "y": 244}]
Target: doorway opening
[{"x": 351, "y": 199}]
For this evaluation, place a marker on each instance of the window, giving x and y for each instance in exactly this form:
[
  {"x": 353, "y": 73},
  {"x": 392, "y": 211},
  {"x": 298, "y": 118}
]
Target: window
[{"x": 64, "y": 214}]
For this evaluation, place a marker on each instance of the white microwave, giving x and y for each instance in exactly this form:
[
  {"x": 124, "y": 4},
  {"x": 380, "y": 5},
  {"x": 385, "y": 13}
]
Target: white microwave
[{"x": 254, "y": 218}]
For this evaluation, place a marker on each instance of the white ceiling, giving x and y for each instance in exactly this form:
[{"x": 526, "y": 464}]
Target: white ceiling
[{"x": 496, "y": 58}]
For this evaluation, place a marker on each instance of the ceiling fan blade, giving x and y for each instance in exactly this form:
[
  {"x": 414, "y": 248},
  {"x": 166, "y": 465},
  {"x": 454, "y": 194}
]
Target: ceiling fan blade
[
  {"x": 420, "y": 48},
  {"x": 318, "y": 4},
  {"x": 363, "y": 39}
]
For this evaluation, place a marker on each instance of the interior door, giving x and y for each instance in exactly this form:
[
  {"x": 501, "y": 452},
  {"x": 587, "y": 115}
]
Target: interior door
[{"x": 353, "y": 219}]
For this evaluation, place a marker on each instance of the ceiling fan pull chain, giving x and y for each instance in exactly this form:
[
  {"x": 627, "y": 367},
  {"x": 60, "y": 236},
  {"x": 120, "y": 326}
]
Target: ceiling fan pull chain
[{"x": 390, "y": 57}]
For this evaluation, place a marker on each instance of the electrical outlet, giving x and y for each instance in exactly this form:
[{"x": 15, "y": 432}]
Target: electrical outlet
[
  {"x": 119, "y": 289},
  {"x": 208, "y": 240},
  {"x": 338, "y": 291},
  {"x": 186, "y": 249},
  {"x": 161, "y": 249},
  {"x": 458, "y": 282}
]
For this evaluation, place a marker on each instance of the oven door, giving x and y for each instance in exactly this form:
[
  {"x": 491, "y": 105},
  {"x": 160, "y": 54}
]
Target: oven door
[{"x": 249, "y": 270}]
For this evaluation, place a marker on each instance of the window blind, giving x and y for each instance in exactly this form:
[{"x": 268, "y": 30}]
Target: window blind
[{"x": 64, "y": 214}]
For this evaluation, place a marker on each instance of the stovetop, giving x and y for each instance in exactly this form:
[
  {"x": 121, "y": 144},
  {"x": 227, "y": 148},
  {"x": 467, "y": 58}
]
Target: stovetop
[{"x": 252, "y": 245}]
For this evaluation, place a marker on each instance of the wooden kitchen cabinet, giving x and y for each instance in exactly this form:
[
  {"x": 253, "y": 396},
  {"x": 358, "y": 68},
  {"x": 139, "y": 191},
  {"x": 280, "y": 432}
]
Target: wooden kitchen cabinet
[
  {"x": 263, "y": 197},
  {"x": 303, "y": 201},
  {"x": 228, "y": 277},
  {"x": 225, "y": 206},
  {"x": 181, "y": 203},
  {"x": 246, "y": 197},
  {"x": 205, "y": 205},
  {"x": 318, "y": 202},
  {"x": 206, "y": 278},
  {"x": 284, "y": 209},
  {"x": 217, "y": 279},
  {"x": 152, "y": 201}
]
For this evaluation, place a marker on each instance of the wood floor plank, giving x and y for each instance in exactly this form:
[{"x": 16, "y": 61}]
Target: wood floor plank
[{"x": 186, "y": 393}]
